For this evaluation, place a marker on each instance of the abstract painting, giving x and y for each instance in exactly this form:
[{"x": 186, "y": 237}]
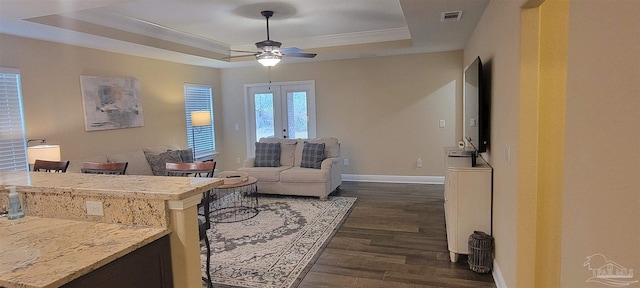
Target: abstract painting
[{"x": 111, "y": 103}]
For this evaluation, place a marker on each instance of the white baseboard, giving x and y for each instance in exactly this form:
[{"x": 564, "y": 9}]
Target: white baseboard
[
  {"x": 497, "y": 276},
  {"x": 394, "y": 179}
]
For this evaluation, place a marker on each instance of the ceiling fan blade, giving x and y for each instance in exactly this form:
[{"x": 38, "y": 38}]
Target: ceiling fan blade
[
  {"x": 239, "y": 56},
  {"x": 303, "y": 55},
  {"x": 291, "y": 50},
  {"x": 242, "y": 51}
]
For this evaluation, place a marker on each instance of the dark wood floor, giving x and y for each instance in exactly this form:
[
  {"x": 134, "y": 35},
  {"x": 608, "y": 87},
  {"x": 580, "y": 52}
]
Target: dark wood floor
[{"x": 394, "y": 237}]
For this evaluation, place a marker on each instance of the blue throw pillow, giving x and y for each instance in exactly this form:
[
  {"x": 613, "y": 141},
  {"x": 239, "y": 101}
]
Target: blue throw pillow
[
  {"x": 312, "y": 155},
  {"x": 267, "y": 155}
]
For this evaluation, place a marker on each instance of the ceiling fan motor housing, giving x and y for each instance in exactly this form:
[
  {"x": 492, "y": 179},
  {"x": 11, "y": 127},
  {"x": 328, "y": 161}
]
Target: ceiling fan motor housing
[{"x": 268, "y": 45}]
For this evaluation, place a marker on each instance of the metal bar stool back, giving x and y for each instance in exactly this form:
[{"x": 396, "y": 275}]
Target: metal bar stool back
[
  {"x": 115, "y": 168},
  {"x": 50, "y": 166},
  {"x": 198, "y": 169}
]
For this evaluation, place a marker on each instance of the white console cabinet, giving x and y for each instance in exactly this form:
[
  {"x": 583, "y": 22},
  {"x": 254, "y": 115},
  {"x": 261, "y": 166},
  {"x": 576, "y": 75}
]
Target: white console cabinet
[{"x": 467, "y": 202}]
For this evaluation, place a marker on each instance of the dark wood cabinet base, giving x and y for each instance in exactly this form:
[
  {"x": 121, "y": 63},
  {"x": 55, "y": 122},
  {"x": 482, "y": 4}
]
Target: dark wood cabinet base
[{"x": 148, "y": 266}]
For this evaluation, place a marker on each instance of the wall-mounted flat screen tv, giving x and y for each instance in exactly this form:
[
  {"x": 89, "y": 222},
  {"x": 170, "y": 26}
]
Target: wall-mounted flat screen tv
[{"x": 476, "y": 111}]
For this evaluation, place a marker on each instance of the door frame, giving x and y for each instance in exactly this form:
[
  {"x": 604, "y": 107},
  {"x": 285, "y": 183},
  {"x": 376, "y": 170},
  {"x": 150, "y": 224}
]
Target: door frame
[{"x": 248, "y": 112}]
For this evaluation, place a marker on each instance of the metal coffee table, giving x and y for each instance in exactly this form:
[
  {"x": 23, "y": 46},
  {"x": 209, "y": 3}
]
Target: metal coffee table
[{"x": 234, "y": 202}]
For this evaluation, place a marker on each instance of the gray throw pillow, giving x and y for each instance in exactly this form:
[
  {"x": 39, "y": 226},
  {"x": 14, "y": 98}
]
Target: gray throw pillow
[
  {"x": 267, "y": 155},
  {"x": 158, "y": 161},
  {"x": 312, "y": 155},
  {"x": 185, "y": 155}
]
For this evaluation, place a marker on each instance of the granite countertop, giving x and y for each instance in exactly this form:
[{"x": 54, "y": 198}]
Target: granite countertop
[
  {"x": 47, "y": 252},
  {"x": 128, "y": 186}
]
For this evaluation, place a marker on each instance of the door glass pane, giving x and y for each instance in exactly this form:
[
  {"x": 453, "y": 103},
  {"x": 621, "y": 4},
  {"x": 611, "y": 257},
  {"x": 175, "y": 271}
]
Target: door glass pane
[
  {"x": 297, "y": 117},
  {"x": 264, "y": 116}
]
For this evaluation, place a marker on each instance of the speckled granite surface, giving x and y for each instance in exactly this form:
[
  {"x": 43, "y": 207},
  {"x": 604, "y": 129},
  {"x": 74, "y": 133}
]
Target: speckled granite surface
[
  {"x": 126, "y": 186},
  {"x": 45, "y": 252},
  {"x": 130, "y": 200}
]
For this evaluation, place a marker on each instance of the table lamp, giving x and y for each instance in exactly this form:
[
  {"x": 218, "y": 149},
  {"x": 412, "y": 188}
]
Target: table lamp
[
  {"x": 43, "y": 151},
  {"x": 198, "y": 119}
]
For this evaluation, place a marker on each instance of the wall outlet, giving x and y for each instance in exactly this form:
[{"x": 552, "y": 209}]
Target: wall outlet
[
  {"x": 236, "y": 127},
  {"x": 419, "y": 163},
  {"x": 442, "y": 123},
  {"x": 95, "y": 208},
  {"x": 238, "y": 160},
  {"x": 345, "y": 161}
]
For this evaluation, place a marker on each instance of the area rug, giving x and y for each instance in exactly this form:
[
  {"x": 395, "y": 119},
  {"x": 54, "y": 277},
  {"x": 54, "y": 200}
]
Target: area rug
[{"x": 277, "y": 246}]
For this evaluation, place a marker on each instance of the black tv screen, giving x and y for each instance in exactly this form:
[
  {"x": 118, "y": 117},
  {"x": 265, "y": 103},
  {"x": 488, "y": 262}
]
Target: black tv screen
[{"x": 475, "y": 107}]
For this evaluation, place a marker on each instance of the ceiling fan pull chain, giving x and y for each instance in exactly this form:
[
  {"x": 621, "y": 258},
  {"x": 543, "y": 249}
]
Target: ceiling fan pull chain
[{"x": 269, "y": 77}]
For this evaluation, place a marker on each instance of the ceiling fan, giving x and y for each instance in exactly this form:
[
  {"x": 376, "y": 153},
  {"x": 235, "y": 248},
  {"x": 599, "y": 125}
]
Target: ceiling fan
[{"x": 269, "y": 51}]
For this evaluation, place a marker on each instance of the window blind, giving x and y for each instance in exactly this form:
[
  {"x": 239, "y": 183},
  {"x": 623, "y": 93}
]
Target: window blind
[
  {"x": 199, "y": 98},
  {"x": 13, "y": 154}
]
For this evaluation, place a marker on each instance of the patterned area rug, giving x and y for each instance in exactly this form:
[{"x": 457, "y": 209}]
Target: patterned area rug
[{"x": 274, "y": 248}]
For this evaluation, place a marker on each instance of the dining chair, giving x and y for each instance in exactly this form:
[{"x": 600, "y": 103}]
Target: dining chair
[
  {"x": 198, "y": 169},
  {"x": 114, "y": 168},
  {"x": 50, "y": 166}
]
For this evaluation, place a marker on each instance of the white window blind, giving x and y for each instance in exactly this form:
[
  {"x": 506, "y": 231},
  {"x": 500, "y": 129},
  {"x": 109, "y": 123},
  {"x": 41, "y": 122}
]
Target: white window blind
[
  {"x": 198, "y": 98},
  {"x": 13, "y": 154}
]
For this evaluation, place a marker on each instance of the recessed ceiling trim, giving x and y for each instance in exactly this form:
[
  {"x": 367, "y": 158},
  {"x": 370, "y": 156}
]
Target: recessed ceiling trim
[
  {"x": 344, "y": 39},
  {"x": 119, "y": 21}
]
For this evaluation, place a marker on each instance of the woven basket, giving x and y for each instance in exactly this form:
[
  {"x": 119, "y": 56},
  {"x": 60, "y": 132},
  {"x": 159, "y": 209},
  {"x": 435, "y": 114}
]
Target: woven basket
[{"x": 480, "y": 252}]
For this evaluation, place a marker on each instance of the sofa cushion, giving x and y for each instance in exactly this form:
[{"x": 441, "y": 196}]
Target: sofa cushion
[
  {"x": 160, "y": 148},
  {"x": 331, "y": 148},
  {"x": 287, "y": 149},
  {"x": 266, "y": 174},
  {"x": 186, "y": 155},
  {"x": 158, "y": 161},
  {"x": 267, "y": 155},
  {"x": 312, "y": 155},
  {"x": 138, "y": 164},
  {"x": 304, "y": 175}
]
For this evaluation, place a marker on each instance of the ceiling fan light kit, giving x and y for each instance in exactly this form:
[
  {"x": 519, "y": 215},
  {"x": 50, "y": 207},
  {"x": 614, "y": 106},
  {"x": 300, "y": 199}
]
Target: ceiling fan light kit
[
  {"x": 269, "y": 52},
  {"x": 269, "y": 59}
]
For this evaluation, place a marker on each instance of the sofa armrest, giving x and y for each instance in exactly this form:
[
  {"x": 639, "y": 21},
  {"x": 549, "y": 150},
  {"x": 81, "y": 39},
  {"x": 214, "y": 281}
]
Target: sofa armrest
[
  {"x": 327, "y": 163},
  {"x": 249, "y": 162}
]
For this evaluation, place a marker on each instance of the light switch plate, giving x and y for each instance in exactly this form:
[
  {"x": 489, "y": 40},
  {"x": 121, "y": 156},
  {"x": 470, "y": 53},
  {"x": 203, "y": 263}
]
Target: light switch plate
[{"x": 442, "y": 122}]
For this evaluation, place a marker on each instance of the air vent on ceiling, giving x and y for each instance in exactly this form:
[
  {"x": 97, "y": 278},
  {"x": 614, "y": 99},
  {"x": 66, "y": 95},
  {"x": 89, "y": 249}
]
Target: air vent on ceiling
[{"x": 451, "y": 16}]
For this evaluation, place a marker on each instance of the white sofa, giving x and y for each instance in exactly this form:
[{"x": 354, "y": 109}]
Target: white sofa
[
  {"x": 138, "y": 164},
  {"x": 290, "y": 178}
]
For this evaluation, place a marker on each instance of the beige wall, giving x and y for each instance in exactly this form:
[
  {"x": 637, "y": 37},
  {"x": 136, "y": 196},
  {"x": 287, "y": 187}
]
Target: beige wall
[
  {"x": 50, "y": 75},
  {"x": 496, "y": 40},
  {"x": 385, "y": 111},
  {"x": 596, "y": 209},
  {"x": 601, "y": 211}
]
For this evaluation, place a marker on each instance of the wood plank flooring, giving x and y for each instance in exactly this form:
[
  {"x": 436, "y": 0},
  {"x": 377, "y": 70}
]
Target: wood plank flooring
[{"x": 395, "y": 236}]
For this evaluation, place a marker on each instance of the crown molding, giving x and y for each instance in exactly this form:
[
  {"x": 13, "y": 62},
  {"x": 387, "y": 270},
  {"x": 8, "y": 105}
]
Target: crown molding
[
  {"x": 118, "y": 21},
  {"x": 344, "y": 39}
]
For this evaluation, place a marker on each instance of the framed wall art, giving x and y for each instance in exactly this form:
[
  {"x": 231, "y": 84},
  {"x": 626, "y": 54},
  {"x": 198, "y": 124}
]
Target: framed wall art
[{"x": 111, "y": 103}]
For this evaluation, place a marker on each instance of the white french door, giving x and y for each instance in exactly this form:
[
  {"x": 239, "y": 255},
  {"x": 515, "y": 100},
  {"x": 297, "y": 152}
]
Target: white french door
[{"x": 279, "y": 110}]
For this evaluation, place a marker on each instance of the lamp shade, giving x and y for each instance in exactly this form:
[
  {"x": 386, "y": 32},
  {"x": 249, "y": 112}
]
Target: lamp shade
[
  {"x": 200, "y": 118},
  {"x": 43, "y": 152}
]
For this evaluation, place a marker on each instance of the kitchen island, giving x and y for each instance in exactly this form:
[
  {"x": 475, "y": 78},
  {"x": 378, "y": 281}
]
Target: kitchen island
[{"x": 133, "y": 201}]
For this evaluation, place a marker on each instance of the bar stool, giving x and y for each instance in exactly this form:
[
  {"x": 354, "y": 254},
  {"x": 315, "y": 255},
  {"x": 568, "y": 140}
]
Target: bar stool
[
  {"x": 198, "y": 169},
  {"x": 114, "y": 168},
  {"x": 50, "y": 166}
]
